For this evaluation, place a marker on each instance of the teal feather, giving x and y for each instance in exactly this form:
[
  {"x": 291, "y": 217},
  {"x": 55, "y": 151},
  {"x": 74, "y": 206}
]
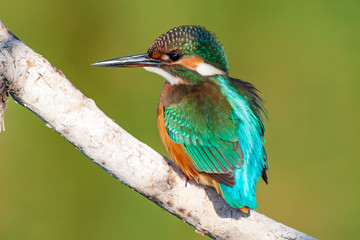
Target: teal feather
[
  {"x": 250, "y": 134},
  {"x": 194, "y": 122},
  {"x": 222, "y": 135}
]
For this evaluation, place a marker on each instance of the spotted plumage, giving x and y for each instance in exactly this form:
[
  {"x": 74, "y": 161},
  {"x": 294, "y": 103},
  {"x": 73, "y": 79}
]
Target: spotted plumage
[{"x": 191, "y": 40}]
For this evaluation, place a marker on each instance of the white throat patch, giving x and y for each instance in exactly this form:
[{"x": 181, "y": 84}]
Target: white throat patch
[{"x": 168, "y": 77}]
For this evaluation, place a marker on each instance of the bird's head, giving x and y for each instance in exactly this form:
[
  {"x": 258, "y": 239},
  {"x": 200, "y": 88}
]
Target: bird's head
[{"x": 185, "y": 54}]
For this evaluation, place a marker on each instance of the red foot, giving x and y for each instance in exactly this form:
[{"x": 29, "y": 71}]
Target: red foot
[{"x": 244, "y": 209}]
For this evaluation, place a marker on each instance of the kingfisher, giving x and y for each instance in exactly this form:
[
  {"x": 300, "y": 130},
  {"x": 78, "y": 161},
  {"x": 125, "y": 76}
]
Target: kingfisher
[{"x": 210, "y": 123}]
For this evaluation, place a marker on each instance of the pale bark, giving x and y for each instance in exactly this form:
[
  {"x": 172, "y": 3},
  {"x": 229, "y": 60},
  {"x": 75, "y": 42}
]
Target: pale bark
[{"x": 37, "y": 85}]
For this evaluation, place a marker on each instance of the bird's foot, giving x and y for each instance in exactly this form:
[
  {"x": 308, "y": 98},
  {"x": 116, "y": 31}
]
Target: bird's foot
[{"x": 244, "y": 210}]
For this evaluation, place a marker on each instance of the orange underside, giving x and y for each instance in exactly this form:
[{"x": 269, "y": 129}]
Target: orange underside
[{"x": 181, "y": 158}]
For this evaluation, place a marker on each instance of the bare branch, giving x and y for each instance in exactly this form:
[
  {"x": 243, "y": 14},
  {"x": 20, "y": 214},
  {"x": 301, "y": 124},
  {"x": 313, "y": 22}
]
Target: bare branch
[
  {"x": 43, "y": 89},
  {"x": 3, "y": 102}
]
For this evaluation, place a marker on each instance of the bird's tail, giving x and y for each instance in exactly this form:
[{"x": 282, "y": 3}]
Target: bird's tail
[{"x": 243, "y": 192}]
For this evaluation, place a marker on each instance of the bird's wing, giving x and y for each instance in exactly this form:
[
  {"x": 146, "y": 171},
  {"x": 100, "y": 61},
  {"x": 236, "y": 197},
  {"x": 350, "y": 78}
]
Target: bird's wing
[
  {"x": 208, "y": 131},
  {"x": 256, "y": 104}
]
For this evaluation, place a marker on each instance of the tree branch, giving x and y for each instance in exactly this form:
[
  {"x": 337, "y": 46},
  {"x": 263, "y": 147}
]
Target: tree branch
[{"x": 37, "y": 85}]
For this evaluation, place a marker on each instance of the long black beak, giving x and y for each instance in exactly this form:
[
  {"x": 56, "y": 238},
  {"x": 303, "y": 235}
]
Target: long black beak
[{"x": 140, "y": 60}]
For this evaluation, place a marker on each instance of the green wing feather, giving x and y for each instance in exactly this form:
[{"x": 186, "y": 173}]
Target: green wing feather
[{"x": 207, "y": 129}]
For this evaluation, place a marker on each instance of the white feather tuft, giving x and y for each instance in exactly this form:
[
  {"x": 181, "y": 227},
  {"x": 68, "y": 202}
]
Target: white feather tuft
[
  {"x": 206, "y": 69},
  {"x": 168, "y": 77}
]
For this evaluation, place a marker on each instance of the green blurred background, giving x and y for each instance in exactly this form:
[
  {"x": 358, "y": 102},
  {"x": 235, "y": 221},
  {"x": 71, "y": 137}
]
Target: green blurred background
[{"x": 302, "y": 55}]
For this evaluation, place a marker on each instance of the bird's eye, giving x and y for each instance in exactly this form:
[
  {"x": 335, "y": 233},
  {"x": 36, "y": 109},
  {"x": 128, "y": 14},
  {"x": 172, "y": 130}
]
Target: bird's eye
[{"x": 174, "y": 56}]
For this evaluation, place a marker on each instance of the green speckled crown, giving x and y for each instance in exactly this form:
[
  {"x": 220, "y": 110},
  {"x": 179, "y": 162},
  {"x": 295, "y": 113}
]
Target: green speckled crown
[{"x": 190, "y": 40}]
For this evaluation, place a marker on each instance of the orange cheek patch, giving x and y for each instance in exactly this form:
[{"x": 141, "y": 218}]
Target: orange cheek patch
[
  {"x": 191, "y": 62},
  {"x": 156, "y": 56}
]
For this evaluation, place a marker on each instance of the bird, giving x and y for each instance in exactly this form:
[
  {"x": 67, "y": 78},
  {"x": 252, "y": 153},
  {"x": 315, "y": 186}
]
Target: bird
[{"x": 211, "y": 124}]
